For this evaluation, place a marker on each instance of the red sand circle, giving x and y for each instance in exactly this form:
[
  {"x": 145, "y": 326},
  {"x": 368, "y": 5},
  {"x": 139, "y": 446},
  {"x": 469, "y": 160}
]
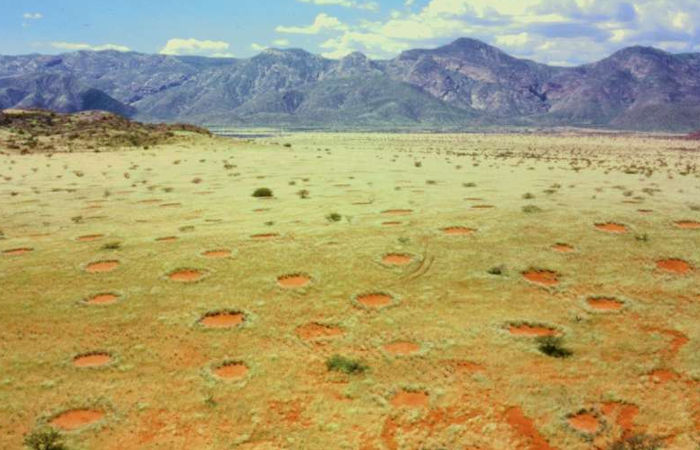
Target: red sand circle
[
  {"x": 584, "y": 422},
  {"x": 218, "y": 253},
  {"x": 314, "y": 330},
  {"x": 605, "y": 303},
  {"x": 674, "y": 265},
  {"x": 391, "y": 223},
  {"x": 264, "y": 236},
  {"x": 90, "y": 237},
  {"x": 531, "y": 330},
  {"x": 663, "y": 375},
  {"x": 102, "y": 266},
  {"x": 397, "y": 212},
  {"x": 167, "y": 239},
  {"x": 410, "y": 399},
  {"x": 18, "y": 251},
  {"x": 458, "y": 231},
  {"x": 483, "y": 206},
  {"x": 231, "y": 370},
  {"x": 688, "y": 224},
  {"x": 186, "y": 275},
  {"x": 95, "y": 359},
  {"x": 542, "y": 277},
  {"x": 222, "y": 319},
  {"x": 295, "y": 280},
  {"x": 76, "y": 418},
  {"x": 375, "y": 299},
  {"x": 402, "y": 348},
  {"x": 611, "y": 227},
  {"x": 103, "y": 299},
  {"x": 562, "y": 248},
  {"x": 397, "y": 259}
]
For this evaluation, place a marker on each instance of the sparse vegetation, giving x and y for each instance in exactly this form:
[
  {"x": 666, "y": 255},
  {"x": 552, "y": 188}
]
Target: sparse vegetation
[
  {"x": 345, "y": 365},
  {"x": 334, "y": 217},
  {"x": 553, "y": 346},
  {"x": 262, "y": 193},
  {"x": 530, "y": 209},
  {"x": 45, "y": 439}
]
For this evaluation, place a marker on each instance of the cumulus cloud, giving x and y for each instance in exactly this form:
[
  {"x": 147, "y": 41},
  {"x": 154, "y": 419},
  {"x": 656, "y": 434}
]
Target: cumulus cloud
[
  {"x": 32, "y": 16},
  {"x": 554, "y": 31},
  {"x": 177, "y": 46},
  {"x": 322, "y": 22},
  {"x": 74, "y": 46},
  {"x": 370, "y": 6}
]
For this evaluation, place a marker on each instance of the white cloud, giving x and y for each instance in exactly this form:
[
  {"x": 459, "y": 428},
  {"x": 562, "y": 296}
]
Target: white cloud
[
  {"x": 177, "y": 46},
  {"x": 32, "y": 16},
  {"x": 281, "y": 42},
  {"x": 257, "y": 47},
  {"x": 73, "y": 46},
  {"x": 322, "y": 22},
  {"x": 370, "y": 6}
]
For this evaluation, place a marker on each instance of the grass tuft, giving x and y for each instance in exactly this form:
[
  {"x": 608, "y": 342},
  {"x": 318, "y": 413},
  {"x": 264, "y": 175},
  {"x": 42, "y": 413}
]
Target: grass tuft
[
  {"x": 44, "y": 439},
  {"x": 552, "y": 346}
]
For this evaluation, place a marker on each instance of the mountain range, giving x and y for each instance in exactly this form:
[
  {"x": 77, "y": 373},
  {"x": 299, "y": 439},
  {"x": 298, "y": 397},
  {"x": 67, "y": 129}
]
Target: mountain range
[{"x": 463, "y": 85}]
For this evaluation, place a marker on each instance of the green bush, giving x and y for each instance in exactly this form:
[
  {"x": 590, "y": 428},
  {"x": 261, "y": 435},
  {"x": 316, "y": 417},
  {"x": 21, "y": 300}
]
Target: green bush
[
  {"x": 552, "y": 346},
  {"x": 44, "y": 439},
  {"x": 262, "y": 192},
  {"x": 339, "y": 363}
]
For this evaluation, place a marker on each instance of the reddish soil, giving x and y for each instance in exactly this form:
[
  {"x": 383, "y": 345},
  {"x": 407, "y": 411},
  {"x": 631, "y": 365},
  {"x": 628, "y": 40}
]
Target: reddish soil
[
  {"x": 292, "y": 281},
  {"x": 167, "y": 239},
  {"x": 264, "y": 236},
  {"x": 186, "y": 275},
  {"x": 458, "y": 231},
  {"x": 90, "y": 237},
  {"x": 674, "y": 265},
  {"x": 663, "y": 375},
  {"x": 314, "y": 330},
  {"x": 232, "y": 370},
  {"x": 466, "y": 366},
  {"x": 584, "y": 422},
  {"x": 645, "y": 211},
  {"x": 562, "y": 248},
  {"x": 397, "y": 212},
  {"x": 611, "y": 227},
  {"x": 626, "y": 413},
  {"x": 531, "y": 330},
  {"x": 483, "y": 206},
  {"x": 604, "y": 304},
  {"x": 391, "y": 223},
  {"x": 525, "y": 427},
  {"x": 103, "y": 299},
  {"x": 217, "y": 254},
  {"x": 224, "y": 319},
  {"x": 76, "y": 418},
  {"x": 688, "y": 224},
  {"x": 374, "y": 300},
  {"x": 18, "y": 251},
  {"x": 542, "y": 277},
  {"x": 397, "y": 259},
  {"x": 102, "y": 266},
  {"x": 410, "y": 399},
  {"x": 402, "y": 348},
  {"x": 92, "y": 360}
]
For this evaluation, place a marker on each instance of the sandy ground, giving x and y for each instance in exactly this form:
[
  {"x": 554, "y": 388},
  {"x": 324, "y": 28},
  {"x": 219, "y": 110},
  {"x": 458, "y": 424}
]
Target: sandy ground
[{"x": 150, "y": 301}]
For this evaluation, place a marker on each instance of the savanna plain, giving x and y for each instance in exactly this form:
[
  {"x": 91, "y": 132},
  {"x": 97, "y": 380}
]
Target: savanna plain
[{"x": 373, "y": 291}]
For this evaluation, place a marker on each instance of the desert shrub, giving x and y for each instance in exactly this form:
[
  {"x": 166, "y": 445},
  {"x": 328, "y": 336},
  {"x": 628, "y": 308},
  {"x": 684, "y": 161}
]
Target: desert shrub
[
  {"x": 334, "y": 217},
  {"x": 642, "y": 237},
  {"x": 528, "y": 196},
  {"x": 115, "y": 245},
  {"x": 637, "y": 442},
  {"x": 262, "y": 192},
  {"x": 349, "y": 366},
  {"x": 469, "y": 184},
  {"x": 498, "y": 270},
  {"x": 44, "y": 439},
  {"x": 529, "y": 209},
  {"x": 303, "y": 193},
  {"x": 553, "y": 346},
  {"x": 418, "y": 164}
]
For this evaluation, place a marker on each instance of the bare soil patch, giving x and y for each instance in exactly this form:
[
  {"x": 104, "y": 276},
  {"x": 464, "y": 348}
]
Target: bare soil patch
[
  {"x": 167, "y": 239},
  {"x": 314, "y": 330},
  {"x": 397, "y": 259},
  {"x": 674, "y": 265},
  {"x": 611, "y": 227},
  {"x": 397, "y": 212},
  {"x": 531, "y": 330},
  {"x": 90, "y": 237},
  {"x": 584, "y": 422},
  {"x": 106, "y": 298},
  {"x": 458, "y": 231},
  {"x": 18, "y": 251},
  {"x": 563, "y": 248},
  {"x": 186, "y": 275},
  {"x": 542, "y": 277},
  {"x": 410, "y": 399},
  {"x": 264, "y": 236},
  {"x": 232, "y": 370},
  {"x": 375, "y": 299},
  {"x": 217, "y": 253},
  {"x": 293, "y": 280},
  {"x": 604, "y": 303},
  {"x": 76, "y": 418},
  {"x": 402, "y": 348},
  {"x": 102, "y": 266},
  {"x": 94, "y": 359},
  {"x": 688, "y": 224},
  {"x": 222, "y": 319}
]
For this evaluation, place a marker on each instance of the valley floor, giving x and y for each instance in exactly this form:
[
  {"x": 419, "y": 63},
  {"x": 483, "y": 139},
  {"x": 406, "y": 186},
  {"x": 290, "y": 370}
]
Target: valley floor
[{"x": 150, "y": 301}]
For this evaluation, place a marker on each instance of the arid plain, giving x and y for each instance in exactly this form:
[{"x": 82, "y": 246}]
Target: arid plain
[{"x": 495, "y": 292}]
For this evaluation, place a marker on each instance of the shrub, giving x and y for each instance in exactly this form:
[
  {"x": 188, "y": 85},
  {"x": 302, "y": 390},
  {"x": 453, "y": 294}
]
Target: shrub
[
  {"x": 303, "y": 193},
  {"x": 499, "y": 270},
  {"x": 552, "y": 346},
  {"x": 528, "y": 196},
  {"x": 334, "y": 217},
  {"x": 339, "y": 363},
  {"x": 115, "y": 245},
  {"x": 44, "y": 439},
  {"x": 262, "y": 192},
  {"x": 529, "y": 209},
  {"x": 637, "y": 442}
]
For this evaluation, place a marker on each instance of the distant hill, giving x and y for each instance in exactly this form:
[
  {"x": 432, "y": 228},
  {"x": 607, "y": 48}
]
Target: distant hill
[{"x": 465, "y": 84}]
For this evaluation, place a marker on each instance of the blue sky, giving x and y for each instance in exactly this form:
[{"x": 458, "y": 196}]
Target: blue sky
[{"x": 554, "y": 31}]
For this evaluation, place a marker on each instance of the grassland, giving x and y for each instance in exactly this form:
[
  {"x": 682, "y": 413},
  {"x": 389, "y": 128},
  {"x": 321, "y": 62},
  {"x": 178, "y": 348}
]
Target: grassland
[{"x": 395, "y": 291}]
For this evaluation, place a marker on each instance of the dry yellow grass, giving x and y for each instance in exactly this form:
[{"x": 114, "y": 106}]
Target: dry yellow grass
[{"x": 466, "y": 382}]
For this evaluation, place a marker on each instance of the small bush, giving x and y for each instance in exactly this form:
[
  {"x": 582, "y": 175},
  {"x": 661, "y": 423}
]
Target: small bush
[
  {"x": 115, "y": 245},
  {"x": 334, "y": 217},
  {"x": 552, "y": 346},
  {"x": 530, "y": 209},
  {"x": 637, "y": 442},
  {"x": 469, "y": 184},
  {"x": 528, "y": 196},
  {"x": 303, "y": 194},
  {"x": 499, "y": 270},
  {"x": 262, "y": 192},
  {"x": 339, "y": 363},
  {"x": 44, "y": 439},
  {"x": 642, "y": 237}
]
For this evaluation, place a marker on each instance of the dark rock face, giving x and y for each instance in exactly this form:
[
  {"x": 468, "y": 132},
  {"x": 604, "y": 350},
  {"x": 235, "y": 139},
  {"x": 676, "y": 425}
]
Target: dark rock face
[{"x": 466, "y": 83}]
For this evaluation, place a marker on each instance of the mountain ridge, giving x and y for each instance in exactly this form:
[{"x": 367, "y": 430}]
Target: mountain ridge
[{"x": 464, "y": 84}]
